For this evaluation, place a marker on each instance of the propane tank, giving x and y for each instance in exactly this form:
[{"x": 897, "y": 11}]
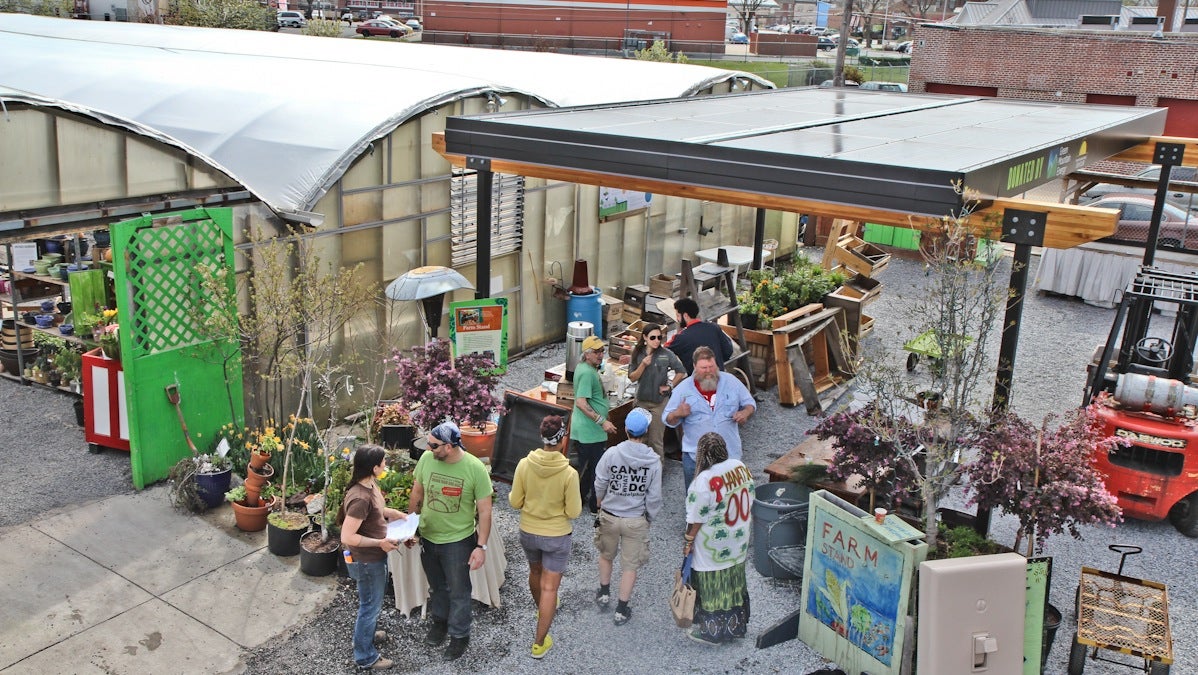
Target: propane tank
[{"x": 1154, "y": 394}]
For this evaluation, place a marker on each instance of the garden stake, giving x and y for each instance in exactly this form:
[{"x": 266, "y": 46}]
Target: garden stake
[{"x": 172, "y": 395}]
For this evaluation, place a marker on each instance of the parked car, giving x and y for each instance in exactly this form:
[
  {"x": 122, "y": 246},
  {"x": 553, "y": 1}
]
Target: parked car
[
  {"x": 903, "y": 47},
  {"x": 414, "y": 24},
  {"x": 828, "y": 84},
  {"x": 739, "y": 39},
  {"x": 1178, "y": 228},
  {"x": 290, "y": 19},
  {"x": 884, "y": 86},
  {"x": 382, "y": 27},
  {"x": 826, "y": 43},
  {"x": 1183, "y": 200}
]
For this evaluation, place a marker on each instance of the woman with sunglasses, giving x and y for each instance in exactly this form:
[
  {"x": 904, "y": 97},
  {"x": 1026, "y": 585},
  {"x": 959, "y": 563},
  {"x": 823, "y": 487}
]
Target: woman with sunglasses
[{"x": 650, "y": 368}]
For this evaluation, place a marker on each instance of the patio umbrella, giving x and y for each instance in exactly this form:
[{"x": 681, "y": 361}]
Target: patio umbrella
[{"x": 428, "y": 284}]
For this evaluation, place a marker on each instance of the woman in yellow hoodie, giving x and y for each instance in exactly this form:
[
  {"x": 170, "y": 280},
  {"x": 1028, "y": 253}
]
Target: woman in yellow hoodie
[{"x": 545, "y": 489}]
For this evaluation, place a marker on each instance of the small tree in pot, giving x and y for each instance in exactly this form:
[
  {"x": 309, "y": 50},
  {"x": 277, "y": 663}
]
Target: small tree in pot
[
  {"x": 1044, "y": 475},
  {"x": 448, "y": 389}
]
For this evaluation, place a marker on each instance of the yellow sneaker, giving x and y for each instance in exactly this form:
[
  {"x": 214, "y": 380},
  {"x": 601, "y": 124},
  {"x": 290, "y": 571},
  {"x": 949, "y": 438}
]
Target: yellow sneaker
[{"x": 539, "y": 651}]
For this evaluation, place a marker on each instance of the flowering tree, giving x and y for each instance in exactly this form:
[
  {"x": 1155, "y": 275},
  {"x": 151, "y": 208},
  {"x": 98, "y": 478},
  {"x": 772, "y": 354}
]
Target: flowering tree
[
  {"x": 1044, "y": 476},
  {"x": 458, "y": 390}
]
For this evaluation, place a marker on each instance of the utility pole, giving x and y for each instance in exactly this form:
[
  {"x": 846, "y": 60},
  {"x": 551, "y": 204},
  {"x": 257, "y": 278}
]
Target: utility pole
[{"x": 845, "y": 21}]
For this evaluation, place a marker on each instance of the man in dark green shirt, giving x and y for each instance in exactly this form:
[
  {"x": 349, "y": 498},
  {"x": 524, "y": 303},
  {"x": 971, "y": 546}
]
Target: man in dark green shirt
[{"x": 589, "y": 426}]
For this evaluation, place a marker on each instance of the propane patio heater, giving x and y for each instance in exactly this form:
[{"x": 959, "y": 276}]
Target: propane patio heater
[{"x": 429, "y": 285}]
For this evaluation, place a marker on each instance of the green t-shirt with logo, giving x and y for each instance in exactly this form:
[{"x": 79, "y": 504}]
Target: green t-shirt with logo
[
  {"x": 449, "y": 509},
  {"x": 588, "y": 385}
]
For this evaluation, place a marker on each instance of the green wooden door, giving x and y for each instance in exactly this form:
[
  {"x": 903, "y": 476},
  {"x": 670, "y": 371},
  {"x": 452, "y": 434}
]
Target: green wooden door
[{"x": 158, "y": 289}]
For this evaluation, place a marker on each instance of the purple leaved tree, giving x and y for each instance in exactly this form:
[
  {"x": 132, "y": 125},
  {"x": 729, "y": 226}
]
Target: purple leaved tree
[
  {"x": 1044, "y": 476},
  {"x": 445, "y": 388}
]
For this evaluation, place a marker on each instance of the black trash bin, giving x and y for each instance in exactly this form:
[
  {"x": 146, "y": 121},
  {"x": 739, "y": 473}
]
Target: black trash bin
[{"x": 779, "y": 519}]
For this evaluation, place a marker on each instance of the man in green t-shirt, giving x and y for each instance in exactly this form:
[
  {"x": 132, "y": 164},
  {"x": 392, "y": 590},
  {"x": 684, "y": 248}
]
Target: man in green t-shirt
[
  {"x": 588, "y": 423},
  {"x": 450, "y": 489}
]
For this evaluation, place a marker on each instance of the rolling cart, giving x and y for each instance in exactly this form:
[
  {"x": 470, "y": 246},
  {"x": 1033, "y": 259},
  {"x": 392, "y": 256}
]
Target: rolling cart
[{"x": 1122, "y": 614}]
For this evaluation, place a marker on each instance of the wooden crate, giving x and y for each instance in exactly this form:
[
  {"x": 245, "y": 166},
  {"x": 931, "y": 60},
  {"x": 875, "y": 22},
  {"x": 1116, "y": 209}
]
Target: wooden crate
[
  {"x": 622, "y": 344},
  {"x": 665, "y": 285},
  {"x": 761, "y": 355},
  {"x": 634, "y": 298},
  {"x": 613, "y": 308},
  {"x": 860, "y": 256}
]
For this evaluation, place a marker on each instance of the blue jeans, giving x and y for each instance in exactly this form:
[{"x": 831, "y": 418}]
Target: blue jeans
[
  {"x": 447, "y": 567},
  {"x": 688, "y": 470},
  {"x": 372, "y": 581}
]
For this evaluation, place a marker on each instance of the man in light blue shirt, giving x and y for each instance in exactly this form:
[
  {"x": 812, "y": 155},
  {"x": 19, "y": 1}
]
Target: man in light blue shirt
[{"x": 708, "y": 400}]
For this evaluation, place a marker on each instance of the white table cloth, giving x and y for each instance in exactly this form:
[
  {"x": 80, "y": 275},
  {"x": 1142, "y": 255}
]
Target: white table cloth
[
  {"x": 411, "y": 586},
  {"x": 1096, "y": 271}
]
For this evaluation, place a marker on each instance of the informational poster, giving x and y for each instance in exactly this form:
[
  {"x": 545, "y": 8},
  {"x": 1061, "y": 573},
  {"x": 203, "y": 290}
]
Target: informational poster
[
  {"x": 23, "y": 255},
  {"x": 480, "y": 327},
  {"x": 617, "y": 203},
  {"x": 1039, "y": 578},
  {"x": 857, "y": 584}
]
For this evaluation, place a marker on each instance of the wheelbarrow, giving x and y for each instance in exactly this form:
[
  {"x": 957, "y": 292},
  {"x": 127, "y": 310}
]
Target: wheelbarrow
[
  {"x": 1121, "y": 614},
  {"x": 926, "y": 345}
]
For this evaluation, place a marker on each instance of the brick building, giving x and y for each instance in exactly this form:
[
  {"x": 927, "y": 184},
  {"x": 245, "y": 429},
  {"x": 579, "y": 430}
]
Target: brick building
[
  {"x": 677, "y": 22},
  {"x": 1078, "y": 66}
]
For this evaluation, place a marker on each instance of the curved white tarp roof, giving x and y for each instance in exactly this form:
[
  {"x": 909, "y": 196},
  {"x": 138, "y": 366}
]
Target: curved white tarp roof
[{"x": 285, "y": 115}]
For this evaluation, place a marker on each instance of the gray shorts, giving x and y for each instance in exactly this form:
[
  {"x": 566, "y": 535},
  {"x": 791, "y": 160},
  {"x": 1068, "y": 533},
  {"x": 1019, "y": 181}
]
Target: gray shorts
[{"x": 552, "y": 553}]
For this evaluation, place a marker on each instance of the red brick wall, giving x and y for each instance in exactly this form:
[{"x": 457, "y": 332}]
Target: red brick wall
[{"x": 1061, "y": 65}]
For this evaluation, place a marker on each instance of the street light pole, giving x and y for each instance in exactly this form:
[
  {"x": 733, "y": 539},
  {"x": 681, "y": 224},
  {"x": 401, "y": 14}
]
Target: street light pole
[{"x": 838, "y": 74}]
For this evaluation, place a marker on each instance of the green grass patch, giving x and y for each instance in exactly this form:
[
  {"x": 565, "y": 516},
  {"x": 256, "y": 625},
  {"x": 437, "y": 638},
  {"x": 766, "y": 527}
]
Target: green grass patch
[
  {"x": 774, "y": 71},
  {"x": 780, "y": 73}
]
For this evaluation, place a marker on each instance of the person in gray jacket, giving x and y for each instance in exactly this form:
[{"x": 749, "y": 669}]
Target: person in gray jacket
[{"x": 628, "y": 490}]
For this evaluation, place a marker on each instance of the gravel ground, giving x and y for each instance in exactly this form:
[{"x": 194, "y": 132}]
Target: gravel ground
[{"x": 1057, "y": 337}]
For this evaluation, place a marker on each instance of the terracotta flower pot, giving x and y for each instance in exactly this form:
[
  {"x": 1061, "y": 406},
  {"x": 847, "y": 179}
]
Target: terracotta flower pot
[
  {"x": 480, "y": 442},
  {"x": 251, "y": 518},
  {"x": 258, "y": 459}
]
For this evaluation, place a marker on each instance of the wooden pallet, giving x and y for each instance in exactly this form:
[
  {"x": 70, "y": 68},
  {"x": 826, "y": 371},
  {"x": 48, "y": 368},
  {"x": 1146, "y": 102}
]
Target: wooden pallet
[{"x": 819, "y": 369}]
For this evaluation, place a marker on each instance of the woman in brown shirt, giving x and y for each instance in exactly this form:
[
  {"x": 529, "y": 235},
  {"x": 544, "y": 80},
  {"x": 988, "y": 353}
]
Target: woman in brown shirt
[{"x": 364, "y": 515}]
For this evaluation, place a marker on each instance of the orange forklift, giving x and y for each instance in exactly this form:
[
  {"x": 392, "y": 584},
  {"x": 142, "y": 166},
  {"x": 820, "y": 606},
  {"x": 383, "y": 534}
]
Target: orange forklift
[{"x": 1144, "y": 378}]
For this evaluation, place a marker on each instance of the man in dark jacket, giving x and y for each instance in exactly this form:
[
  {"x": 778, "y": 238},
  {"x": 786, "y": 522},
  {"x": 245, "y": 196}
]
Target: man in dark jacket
[{"x": 693, "y": 332}]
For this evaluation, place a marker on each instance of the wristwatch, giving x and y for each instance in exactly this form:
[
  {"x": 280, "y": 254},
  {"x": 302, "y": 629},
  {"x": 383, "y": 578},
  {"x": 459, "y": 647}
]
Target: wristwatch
[{"x": 483, "y": 547}]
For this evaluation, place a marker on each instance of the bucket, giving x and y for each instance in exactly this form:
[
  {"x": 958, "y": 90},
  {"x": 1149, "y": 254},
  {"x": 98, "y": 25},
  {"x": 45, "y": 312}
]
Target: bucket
[
  {"x": 771, "y": 502},
  {"x": 586, "y": 308}
]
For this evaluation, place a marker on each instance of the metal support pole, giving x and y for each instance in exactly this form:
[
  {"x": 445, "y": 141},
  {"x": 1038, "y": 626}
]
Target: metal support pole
[
  {"x": 1167, "y": 155},
  {"x": 482, "y": 227},
  {"x": 758, "y": 239},
  {"x": 1010, "y": 330}
]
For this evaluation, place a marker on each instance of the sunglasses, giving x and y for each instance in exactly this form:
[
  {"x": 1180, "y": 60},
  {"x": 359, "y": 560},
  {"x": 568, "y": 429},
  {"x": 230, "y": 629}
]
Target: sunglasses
[
  {"x": 433, "y": 445},
  {"x": 653, "y": 337}
]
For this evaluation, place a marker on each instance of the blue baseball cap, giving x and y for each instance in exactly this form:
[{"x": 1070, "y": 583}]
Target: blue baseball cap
[{"x": 637, "y": 422}]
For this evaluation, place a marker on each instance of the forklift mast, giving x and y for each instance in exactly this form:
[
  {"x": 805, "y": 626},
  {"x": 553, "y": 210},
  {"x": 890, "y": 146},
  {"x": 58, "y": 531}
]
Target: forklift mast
[{"x": 1139, "y": 353}]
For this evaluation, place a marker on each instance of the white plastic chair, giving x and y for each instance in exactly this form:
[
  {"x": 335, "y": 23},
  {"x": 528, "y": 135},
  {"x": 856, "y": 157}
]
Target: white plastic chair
[{"x": 768, "y": 248}]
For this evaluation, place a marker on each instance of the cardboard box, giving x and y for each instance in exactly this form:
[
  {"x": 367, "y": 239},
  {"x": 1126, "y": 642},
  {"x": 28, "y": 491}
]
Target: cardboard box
[{"x": 665, "y": 285}]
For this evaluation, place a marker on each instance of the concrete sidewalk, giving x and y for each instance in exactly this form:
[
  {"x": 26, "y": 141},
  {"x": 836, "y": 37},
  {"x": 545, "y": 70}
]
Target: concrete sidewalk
[{"x": 128, "y": 585}]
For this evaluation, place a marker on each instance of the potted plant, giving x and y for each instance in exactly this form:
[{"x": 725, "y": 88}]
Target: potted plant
[
  {"x": 199, "y": 482},
  {"x": 250, "y": 518},
  {"x": 772, "y": 294},
  {"x": 392, "y": 425},
  {"x": 1044, "y": 476},
  {"x": 70, "y": 364},
  {"x": 451, "y": 389},
  {"x": 283, "y": 531}
]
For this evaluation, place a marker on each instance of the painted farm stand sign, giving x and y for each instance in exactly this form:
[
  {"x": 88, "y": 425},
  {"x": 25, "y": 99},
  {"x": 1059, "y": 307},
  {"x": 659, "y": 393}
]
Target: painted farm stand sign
[{"x": 857, "y": 585}]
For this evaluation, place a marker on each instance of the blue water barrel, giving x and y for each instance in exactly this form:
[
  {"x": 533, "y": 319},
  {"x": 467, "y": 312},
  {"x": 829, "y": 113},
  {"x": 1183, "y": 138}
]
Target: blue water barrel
[{"x": 586, "y": 308}]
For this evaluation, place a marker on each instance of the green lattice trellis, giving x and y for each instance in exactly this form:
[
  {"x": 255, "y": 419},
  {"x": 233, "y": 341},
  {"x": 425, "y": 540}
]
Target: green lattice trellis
[
  {"x": 154, "y": 263},
  {"x": 161, "y": 266}
]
